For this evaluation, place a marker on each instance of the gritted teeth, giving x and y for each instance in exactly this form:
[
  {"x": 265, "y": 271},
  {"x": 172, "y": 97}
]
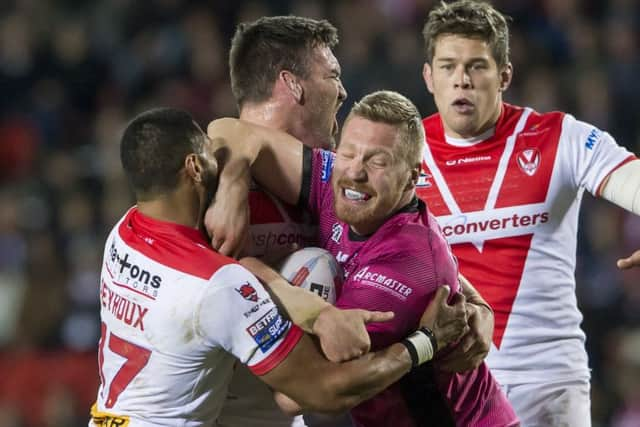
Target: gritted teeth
[{"x": 355, "y": 195}]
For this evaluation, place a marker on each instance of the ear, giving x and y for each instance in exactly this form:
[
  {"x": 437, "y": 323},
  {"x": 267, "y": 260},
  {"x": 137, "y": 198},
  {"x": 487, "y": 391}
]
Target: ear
[
  {"x": 413, "y": 178},
  {"x": 193, "y": 167},
  {"x": 292, "y": 83},
  {"x": 427, "y": 76},
  {"x": 506, "y": 75}
]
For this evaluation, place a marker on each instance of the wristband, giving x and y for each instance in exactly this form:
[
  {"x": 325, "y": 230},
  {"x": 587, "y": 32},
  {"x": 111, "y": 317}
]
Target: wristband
[
  {"x": 432, "y": 338},
  {"x": 419, "y": 347}
]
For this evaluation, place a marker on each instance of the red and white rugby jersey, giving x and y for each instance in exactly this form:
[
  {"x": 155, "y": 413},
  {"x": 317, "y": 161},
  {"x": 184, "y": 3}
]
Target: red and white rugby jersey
[
  {"x": 508, "y": 203},
  {"x": 275, "y": 225},
  {"x": 175, "y": 315}
]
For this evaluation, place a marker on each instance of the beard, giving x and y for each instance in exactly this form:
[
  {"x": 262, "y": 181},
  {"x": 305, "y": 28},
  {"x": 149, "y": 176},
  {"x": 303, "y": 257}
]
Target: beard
[
  {"x": 366, "y": 216},
  {"x": 210, "y": 185}
]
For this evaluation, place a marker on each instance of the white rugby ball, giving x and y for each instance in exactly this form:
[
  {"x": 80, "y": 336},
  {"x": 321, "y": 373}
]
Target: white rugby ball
[{"x": 314, "y": 269}]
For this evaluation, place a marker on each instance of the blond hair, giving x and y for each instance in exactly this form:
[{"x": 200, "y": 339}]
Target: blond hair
[{"x": 390, "y": 107}]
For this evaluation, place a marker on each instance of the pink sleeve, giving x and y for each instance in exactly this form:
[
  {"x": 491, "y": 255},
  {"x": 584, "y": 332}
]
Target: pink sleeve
[{"x": 319, "y": 190}]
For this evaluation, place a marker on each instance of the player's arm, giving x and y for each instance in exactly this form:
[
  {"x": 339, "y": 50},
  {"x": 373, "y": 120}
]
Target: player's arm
[
  {"x": 622, "y": 187},
  {"x": 316, "y": 384},
  {"x": 342, "y": 333},
  {"x": 273, "y": 158},
  {"x": 475, "y": 345}
]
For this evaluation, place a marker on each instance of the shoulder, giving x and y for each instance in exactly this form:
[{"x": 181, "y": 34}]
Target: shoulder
[
  {"x": 187, "y": 256},
  {"x": 322, "y": 162},
  {"x": 432, "y": 122},
  {"x": 404, "y": 242}
]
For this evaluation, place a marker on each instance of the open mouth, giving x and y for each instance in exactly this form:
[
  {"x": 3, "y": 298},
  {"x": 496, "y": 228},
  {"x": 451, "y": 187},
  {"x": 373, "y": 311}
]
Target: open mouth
[
  {"x": 463, "y": 105},
  {"x": 355, "y": 196}
]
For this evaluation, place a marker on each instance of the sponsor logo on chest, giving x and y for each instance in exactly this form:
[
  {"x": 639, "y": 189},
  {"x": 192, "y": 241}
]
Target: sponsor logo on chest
[
  {"x": 529, "y": 160},
  {"x": 465, "y": 160},
  {"x": 381, "y": 281}
]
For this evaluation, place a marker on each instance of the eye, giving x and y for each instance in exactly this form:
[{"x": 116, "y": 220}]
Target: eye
[
  {"x": 447, "y": 67},
  {"x": 379, "y": 161},
  {"x": 345, "y": 154}
]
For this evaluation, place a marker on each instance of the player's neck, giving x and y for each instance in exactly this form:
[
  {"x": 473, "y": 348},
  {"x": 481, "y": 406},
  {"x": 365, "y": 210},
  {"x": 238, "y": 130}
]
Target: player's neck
[
  {"x": 470, "y": 141},
  {"x": 172, "y": 207},
  {"x": 276, "y": 115},
  {"x": 271, "y": 114}
]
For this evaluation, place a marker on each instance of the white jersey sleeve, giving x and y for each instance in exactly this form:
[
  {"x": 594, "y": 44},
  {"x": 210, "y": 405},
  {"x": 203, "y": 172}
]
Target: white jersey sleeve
[
  {"x": 595, "y": 153},
  {"x": 237, "y": 314}
]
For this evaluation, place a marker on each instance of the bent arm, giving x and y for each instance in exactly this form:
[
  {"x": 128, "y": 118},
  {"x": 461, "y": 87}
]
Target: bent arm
[
  {"x": 301, "y": 306},
  {"x": 622, "y": 187},
  {"x": 473, "y": 348},
  {"x": 342, "y": 333},
  {"x": 324, "y": 386},
  {"x": 332, "y": 387},
  {"x": 272, "y": 157}
]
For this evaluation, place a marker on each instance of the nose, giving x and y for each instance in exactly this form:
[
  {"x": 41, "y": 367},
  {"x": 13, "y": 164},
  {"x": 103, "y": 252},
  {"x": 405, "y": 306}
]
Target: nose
[
  {"x": 462, "y": 79},
  {"x": 355, "y": 171},
  {"x": 342, "y": 92}
]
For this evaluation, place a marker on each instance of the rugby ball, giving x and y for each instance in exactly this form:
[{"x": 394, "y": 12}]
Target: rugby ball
[{"x": 314, "y": 269}]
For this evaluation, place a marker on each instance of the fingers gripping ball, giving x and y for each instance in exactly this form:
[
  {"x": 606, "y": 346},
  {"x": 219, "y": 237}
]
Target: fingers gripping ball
[{"x": 314, "y": 269}]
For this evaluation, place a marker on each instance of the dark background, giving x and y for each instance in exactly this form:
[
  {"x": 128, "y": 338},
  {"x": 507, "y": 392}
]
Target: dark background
[{"x": 73, "y": 72}]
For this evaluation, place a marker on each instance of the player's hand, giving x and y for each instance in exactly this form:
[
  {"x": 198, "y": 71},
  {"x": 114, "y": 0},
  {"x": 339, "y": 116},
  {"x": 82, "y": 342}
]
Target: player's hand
[
  {"x": 343, "y": 334},
  {"x": 227, "y": 225},
  {"x": 474, "y": 345},
  {"x": 448, "y": 322},
  {"x": 629, "y": 262}
]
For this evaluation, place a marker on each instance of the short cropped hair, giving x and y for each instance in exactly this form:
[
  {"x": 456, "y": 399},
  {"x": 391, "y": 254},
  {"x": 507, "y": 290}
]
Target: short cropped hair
[
  {"x": 390, "y": 107},
  {"x": 468, "y": 18},
  {"x": 262, "y": 48},
  {"x": 153, "y": 149}
]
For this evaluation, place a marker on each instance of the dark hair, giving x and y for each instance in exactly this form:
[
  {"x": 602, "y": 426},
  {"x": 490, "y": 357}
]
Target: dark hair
[
  {"x": 263, "y": 48},
  {"x": 469, "y": 18},
  {"x": 153, "y": 149}
]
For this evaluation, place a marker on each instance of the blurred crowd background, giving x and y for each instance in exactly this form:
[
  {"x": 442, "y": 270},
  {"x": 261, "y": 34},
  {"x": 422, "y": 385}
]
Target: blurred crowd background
[{"x": 73, "y": 72}]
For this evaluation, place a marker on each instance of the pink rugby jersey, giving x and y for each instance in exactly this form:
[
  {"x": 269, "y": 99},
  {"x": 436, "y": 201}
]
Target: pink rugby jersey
[{"x": 399, "y": 268}]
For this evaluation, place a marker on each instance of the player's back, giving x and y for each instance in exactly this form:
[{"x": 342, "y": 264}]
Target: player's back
[
  {"x": 157, "y": 367},
  {"x": 276, "y": 226}
]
